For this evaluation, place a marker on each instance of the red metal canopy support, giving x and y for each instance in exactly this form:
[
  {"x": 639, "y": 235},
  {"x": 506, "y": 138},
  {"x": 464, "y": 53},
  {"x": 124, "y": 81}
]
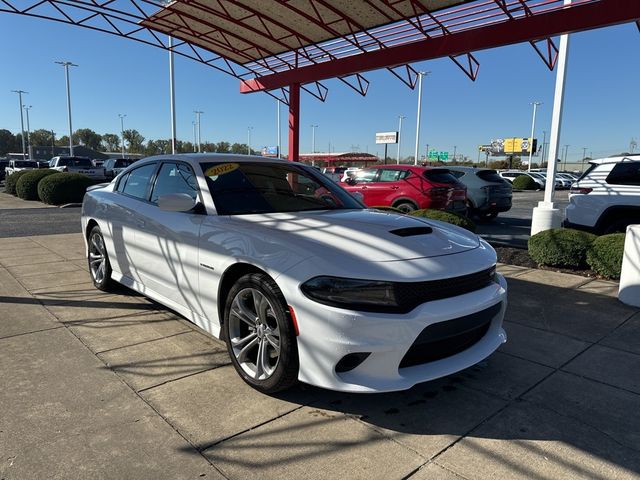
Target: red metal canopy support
[
  {"x": 517, "y": 30},
  {"x": 294, "y": 122}
]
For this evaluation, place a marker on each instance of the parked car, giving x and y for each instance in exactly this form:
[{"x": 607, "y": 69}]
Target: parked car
[
  {"x": 487, "y": 192},
  {"x": 350, "y": 172},
  {"x": 113, "y": 166},
  {"x": 560, "y": 183},
  {"x": 334, "y": 173},
  {"x": 17, "y": 165},
  {"x": 77, "y": 165},
  {"x": 299, "y": 279},
  {"x": 511, "y": 175},
  {"x": 606, "y": 198},
  {"x": 408, "y": 188},
  {"x": 3, "y": 165},
  {"x": 567, "y": 178}
]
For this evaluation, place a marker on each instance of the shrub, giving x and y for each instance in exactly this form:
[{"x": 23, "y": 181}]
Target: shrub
[
  {"x": 27, "y": 185},
  {"x": 386, "y": 209},
  {"x": 449, "y": 217},
  {"x": 605, "y": 255},
  {"x": 11, "y": 180},
  {"x": 524, "y": 182},
  {"x": 560, "y": 247},
  {"x": 61, "y": 188}
]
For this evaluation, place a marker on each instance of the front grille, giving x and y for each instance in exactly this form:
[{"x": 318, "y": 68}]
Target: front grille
[
  {"x": 410, "y": 295},
  {"x": 444, "y": 339}
]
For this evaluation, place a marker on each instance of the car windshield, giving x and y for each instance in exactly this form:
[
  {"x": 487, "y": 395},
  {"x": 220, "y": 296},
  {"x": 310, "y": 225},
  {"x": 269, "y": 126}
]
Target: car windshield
[
  {"x": 440, "y": 176},
  {"x": 75, "y": 162},
  {"x": 123, "y": 163},
  {"x": 264, "y": 187},
  {"x": 24, "y": 164},
  {"x": 490, "y": 176}
]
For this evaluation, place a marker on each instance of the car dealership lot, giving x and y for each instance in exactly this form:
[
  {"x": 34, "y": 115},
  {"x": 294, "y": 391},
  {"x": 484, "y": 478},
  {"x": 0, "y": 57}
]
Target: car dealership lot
[{"x": 116, "y": 386}]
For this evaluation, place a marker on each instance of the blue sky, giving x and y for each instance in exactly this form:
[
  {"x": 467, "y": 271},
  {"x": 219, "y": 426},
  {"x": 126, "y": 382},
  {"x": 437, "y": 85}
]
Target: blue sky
[{"x": 121, "y": 76}]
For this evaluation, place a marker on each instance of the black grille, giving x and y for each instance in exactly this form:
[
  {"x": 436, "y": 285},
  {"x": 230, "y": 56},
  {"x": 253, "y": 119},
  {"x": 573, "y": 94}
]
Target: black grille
[
  {"x": 410, "y": 295},
  {"x": 444, "y": 339}
]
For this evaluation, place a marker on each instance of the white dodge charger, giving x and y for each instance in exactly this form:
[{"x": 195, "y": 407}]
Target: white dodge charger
[{"x": 299, "y": 279}]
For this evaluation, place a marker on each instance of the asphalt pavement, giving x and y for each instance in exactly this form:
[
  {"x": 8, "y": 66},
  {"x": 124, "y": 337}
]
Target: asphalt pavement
[{"x": 38, "y": 221}]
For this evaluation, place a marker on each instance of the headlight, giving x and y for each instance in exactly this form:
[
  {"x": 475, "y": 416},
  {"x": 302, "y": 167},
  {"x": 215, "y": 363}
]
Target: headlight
[{"x": 367, "y": 295}]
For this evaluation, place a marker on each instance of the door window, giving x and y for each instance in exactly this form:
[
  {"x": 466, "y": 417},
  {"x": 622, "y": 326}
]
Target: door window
[
  {"x": 625, "y": 173},
  {"x": 390, "y": 175},
  {"x": 364, "y": 176},
  {"x": 175, "y": 178},
  {"x": 137, "y": 183}
]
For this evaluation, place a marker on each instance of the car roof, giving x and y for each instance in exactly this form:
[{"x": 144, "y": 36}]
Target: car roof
[
  {"x": 630, "y": 158},
  {"x": 469, "y": 169},
  {"x": 215, "y": 157}
]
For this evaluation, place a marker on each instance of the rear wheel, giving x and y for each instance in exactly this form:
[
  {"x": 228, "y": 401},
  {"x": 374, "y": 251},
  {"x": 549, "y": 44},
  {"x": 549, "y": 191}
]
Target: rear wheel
[
  {"x": 618, "y": 225},
  {"x": 260, "y": 335},
  {"x": 99, "y": 266},
  {"x": 406, "y": 207}
]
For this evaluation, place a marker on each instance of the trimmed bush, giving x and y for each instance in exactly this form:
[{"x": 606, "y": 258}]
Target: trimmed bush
[
  {"x": 605, "y": 255},
  {"x": 386, "y": 209},
  {"x": 443, "y": 216},
  {"x": 61, "y": 188},
  {"x": 524, "y": 182},
  {"x": 27, "y": 185},
  {"x": 11, "y": 180},
  {"x": 560, "y": 247}
]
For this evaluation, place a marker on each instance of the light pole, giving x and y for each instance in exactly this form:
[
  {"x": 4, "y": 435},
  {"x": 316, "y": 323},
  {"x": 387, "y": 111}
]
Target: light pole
[
  {"x": 279, "y": 129},
  {"x": 53, "y": 142},
  {"x": 172, "y": 98},
  {"x": 313, "y": 138},
  {"x": 544, "y": 146},
  {"x": 420, "y": 75},
  {"x": 122, "y": 133},
  {"x": 566, "y": 151},
  {"x": 400, "y": 117},
  {"x": 199, "y": 138},
  {"x": 26, "y": 109},
  {"x": 455, "y": 148},
  {"x": 195, "y": 137},
  {"x": 66, "y": 66},
  {"x": 533, "y": 128},
  {"x": 24, "y": 148},
  {"x": 249, "y": 140}
]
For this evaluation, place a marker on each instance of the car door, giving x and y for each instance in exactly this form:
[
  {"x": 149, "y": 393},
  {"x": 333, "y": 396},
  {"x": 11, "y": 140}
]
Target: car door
[
  {"x": 388, "y": 186},
  {"x": 363, "y": 181},
  {"x": 168, "y": 241}
]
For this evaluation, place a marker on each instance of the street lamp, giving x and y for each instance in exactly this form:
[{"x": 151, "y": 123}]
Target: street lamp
[
  {"x": 313, "y": 138},
  {"x": 122, "y": 132},
  {"x": 172, "y": 98},
  {"x": 566, "y": 151},
  {"x": 420, "y": 75},
  {"x": 66, "y": 66},
  {"x": 24, "y": 148},
  {"x": 400, "y": 117},
  {"x": 199, "y": 139},
  {"x": 26, "y": 109},
  {"x": 249, "y": 140},
  {"x": 533, "y": 128}
]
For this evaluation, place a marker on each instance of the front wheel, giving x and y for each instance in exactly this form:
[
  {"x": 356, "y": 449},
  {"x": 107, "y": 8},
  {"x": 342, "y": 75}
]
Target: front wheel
[
  {"x": 406, "y": 207},
  {"x": 99, "y": 266},
  {"x": 259, "y": 334}
]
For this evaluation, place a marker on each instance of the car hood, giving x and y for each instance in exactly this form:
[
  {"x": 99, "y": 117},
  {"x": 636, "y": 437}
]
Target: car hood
[{"x": 368, "y": 235}]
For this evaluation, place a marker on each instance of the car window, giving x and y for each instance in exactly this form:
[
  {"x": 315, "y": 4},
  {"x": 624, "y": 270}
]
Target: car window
[
  {"x": 489, "y": 176},
  {"x": 138, "y": 181},
  {"x": 390, "y": 175},
  {"x": 122, "y": 183},
  {"x": 366, "y": 175},
  {"x": 439, "y": 176},
  {"x": 80, "y": 162},
  {"x": 456, "y": 173},
  {"x": 625, "y": 173},
  {"x": 175, "y": 178}
]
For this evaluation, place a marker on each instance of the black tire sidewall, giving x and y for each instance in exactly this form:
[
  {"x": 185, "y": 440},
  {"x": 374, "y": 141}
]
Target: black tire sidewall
[
  {"x": 286, "y": 372},
  {"x": 106, "y": 283}
]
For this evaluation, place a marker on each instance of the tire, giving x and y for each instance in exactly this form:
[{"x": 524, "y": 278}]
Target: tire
[
  {"x": 98, "y": 260},
  {"x": 406, "y": 207},
  {"x": 257, "y": 325},
  {"x": 488, "y": 216},
  {"x": 617, "y": 225}
]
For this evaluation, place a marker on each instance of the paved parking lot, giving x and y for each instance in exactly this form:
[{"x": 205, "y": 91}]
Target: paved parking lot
[{"x": 114, "y": 386}]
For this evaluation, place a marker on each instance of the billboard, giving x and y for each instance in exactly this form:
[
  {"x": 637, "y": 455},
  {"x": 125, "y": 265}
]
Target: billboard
[
  {"x": 512, "y": 146},
  {"x": 387, "y": 137},
  {"x": 269, "y": 151}
]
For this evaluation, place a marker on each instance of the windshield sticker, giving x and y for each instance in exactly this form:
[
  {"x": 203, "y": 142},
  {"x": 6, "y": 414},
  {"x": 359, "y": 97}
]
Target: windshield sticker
[{"x": 221, "y": 169}]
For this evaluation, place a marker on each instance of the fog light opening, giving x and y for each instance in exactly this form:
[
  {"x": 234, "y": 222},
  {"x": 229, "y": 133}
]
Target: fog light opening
[{"x": 351, "y": 361}]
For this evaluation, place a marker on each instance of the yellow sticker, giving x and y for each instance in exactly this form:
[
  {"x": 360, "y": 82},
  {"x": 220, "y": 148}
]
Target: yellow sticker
[{"x": 221, "y": 169}]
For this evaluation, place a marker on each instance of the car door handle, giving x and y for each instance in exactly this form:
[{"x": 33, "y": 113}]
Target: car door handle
[
  {"x": 395, "y": 187},
  {"x": 364, "y": 188}
]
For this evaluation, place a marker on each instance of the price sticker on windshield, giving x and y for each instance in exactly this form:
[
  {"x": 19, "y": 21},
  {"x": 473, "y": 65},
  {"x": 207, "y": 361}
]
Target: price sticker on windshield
[{"x": 217, "y": 170}]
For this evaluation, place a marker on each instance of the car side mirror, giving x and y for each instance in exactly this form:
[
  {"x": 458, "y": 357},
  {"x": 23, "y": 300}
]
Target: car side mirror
[
  {"x": 176, "y": 202},
  {"x": 350, "y": 181}
]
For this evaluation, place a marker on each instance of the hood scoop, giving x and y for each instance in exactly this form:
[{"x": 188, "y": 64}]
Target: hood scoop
[{"x": 412, "y": 231}]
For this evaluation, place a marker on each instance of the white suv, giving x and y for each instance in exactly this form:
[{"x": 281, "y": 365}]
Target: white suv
[{"x": 606, "y": 198}]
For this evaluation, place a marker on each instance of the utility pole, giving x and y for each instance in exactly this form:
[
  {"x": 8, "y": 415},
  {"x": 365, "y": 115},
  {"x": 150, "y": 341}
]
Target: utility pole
[
  {"x": 279, "y": 129},
  {"x": 199, "y": 138},
  {"x": 172, "y": 98},
  {"x": 313, "y": 138},
  {"x": 455, "y": 148},
  {"x": 122, "y": 133},
  {"x": 420, "y": 75},
  {"x": 533, "y": 129},
  {"x": 566, "y": 151},
  {"x": 26, "y": 109},
  {"x": 584, "y": 154},
  {"x": 249, "y": 140},
  {"x": 66, "y": 66},
  {"x": 400, "y": 117},
  {"x": 53, "y": 142},
  {"x": 24, "y": 148},
  {"x": 195, "y": 137}
]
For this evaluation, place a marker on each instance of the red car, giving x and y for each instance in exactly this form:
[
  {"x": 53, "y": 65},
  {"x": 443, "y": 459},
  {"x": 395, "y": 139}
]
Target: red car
[{"x": 408, "y": 188}]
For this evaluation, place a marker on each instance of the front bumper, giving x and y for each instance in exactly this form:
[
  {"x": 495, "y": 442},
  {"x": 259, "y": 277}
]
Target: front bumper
[{"x": 328, "y": 334}]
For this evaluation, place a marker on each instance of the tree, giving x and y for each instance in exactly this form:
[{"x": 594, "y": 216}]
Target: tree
[
  {"x": 184, "y": 147},
  {"x": 239, "y": 148},
  {"x": 40, "y": 138},
  {"x": 8, "y": 142},
  {"x": 88, "y": 138},
  {"x": 157, "y": 147},
  {"x": 111, "y": 142},
  {"x": 222, "y": 147},
  {"x": 63, "y": 141},
  {"x": 134, "y": 141}
]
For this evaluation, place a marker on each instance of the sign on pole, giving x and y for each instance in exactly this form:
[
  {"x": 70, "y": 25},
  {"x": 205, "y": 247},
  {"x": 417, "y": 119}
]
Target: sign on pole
[{"x": 387, "y": 137}]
